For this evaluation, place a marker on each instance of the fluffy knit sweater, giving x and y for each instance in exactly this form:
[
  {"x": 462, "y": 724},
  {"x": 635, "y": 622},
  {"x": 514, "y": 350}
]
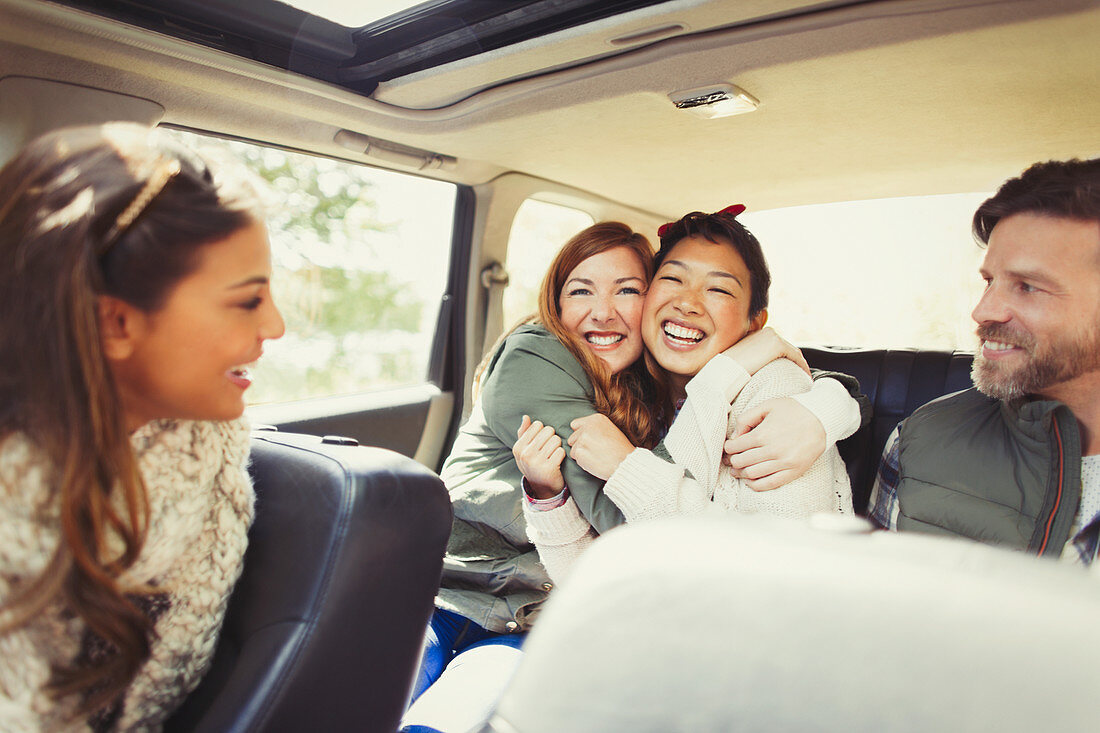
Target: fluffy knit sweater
[
  {"x": 201, "y": 504},
  {"x": 646, "y": 486}
]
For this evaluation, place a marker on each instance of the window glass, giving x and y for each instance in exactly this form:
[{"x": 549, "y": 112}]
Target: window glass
[
  {"x": 354, "y": 14},
  {"x": 360, "y": 261},
  {"x": 538, "y": 232},
  {"x": 887, "y": 273}
]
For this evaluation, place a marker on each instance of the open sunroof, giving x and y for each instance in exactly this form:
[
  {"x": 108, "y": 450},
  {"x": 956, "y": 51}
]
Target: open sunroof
[
  {"x": 353, "y": 14},
  {"x": 314, "y": 38}
]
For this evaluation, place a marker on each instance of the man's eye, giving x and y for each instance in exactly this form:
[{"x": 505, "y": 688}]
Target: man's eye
[{"x": 1028, "y": 288}]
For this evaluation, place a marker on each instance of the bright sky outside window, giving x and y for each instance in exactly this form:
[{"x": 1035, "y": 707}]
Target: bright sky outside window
[
  {"x": 917, "y": 267},
  {"x": 353, "y": 13},
  {"x": 916, "y": 261},
  {"x": 359, "y": 266}
]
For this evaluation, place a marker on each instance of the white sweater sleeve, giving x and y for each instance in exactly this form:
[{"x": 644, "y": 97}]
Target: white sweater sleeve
[
  {"x": 697, "y": 435},
  {"x": 645, "y": 486},
  {"x": 560, "y": 535},
  {"x": 830, "y": 403},
  {"x": 696, "y": 438},
  {"x": 823, "y": 488}
]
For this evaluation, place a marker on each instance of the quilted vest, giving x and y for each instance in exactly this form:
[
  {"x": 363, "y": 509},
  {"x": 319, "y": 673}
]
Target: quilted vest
[{"x": 996, "y": 472}]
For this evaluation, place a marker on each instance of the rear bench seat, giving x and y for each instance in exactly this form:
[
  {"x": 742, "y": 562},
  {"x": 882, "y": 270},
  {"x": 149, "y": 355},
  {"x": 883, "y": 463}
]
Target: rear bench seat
[{"x": 897, "y": 381}]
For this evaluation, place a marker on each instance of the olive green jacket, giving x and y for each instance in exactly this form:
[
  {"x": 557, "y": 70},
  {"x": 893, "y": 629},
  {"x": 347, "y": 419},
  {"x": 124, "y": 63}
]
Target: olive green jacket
[
  {"x": 997, "y": 472},
  {"x": 491, "y": 573}
]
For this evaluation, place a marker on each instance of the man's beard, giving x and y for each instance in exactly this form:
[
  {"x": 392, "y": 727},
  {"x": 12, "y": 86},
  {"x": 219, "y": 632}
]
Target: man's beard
[{"x": 1051, "y": 363}]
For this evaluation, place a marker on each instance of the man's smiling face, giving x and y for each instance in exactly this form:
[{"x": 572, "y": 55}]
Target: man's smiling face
[{"x": 1039, "y": 318}]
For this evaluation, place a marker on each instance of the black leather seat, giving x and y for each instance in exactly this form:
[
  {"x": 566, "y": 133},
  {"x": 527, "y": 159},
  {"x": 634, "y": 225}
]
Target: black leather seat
[
  {"x": 325, "y": 626},
  {"x": 897, "y": 381}
]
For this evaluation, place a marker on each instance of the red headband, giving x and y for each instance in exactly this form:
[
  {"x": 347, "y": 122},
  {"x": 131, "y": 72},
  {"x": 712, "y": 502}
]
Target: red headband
[{"x": 733, "y": 210}]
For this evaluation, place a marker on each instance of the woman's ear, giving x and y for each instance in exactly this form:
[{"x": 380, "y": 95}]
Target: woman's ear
[
  {"x": 120, "y": 326},
  {"x": 759, "y": 320}
]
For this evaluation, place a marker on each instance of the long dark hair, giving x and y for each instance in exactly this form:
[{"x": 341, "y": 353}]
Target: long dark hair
[{"x": 106, "y": 210}]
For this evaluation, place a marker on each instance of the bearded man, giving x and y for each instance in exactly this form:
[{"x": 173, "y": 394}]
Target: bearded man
[{"x": 1015, "y": 461}]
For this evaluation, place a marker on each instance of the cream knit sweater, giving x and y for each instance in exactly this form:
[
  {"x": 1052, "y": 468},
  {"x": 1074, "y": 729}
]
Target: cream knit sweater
[
  {"x": 201, "y": 504},
  {"x": 646, "y": 487}
]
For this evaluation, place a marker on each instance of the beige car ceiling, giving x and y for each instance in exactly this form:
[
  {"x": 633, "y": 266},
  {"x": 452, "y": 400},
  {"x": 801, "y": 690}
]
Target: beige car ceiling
[{"x": 857, "y": 100}]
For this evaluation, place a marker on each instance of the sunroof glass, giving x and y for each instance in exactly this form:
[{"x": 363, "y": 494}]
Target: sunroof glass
[{"x": 354, "y": 13}]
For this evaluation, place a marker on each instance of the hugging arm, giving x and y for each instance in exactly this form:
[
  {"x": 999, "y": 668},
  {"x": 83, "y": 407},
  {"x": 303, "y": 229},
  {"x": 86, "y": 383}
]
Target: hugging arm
[
  {"x": 680, "y": 475},
  {"x": 850, "y": 385},
  {"x": 822, "y": 487},
  {"x": 779, "y": 449},
  {"x": 775, "y": 440},
  {"x": 643, "y": 488},
  {"x": 778, "y": 439},
  {"x": 644, "y": 485},
  {"x": 560, "y": 535},
  {"x": 551, "y": 387},
  {"x": 555, "y": 525}
]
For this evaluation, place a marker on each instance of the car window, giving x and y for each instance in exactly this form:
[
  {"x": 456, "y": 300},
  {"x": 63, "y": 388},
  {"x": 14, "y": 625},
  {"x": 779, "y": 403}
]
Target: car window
[
  {"x": 538, "y": 231},
  {"x": 360, "y": 259},
  {"x": 885, "y": 273}
]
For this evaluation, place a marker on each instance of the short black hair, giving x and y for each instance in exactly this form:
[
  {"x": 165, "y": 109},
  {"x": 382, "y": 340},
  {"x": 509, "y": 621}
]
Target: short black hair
[
  {"x": 1064, "y": 188},
  {"x": 720, "y": 228}
]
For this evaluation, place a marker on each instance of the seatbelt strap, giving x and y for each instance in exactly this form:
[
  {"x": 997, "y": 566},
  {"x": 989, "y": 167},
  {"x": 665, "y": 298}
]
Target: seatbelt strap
[{"x": 494, "y": 278}]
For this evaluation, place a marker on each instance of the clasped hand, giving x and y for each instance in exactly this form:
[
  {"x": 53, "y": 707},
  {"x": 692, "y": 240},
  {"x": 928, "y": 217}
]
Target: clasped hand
[
  {"x": 596, "y": 445},
  {"x": 539, "y": 453},
  {"x": 775, "y": 442}
]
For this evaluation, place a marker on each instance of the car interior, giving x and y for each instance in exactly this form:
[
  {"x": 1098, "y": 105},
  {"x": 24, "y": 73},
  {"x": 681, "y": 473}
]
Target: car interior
[{"x": 474, "y": 138}]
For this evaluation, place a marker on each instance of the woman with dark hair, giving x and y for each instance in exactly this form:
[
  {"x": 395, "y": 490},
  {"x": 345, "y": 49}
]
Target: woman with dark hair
[
  {"x": 582, "y": 353},
  {"x": 709, "y": 293},
  {"x": 133, "y": 296}
]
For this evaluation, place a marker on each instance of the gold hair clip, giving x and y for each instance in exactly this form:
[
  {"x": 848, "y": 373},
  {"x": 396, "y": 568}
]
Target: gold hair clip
[{"x": 164, "y": 172}]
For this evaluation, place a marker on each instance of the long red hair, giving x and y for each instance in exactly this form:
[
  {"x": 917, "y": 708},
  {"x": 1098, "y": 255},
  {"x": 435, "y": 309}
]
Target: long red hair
[{"x": 625, "y": 397}]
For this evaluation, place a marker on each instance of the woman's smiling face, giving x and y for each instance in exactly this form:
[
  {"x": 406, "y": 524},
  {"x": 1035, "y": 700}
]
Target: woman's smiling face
[
  {"x": 189, "y": 358},
  {"x": 697, "y": 306},
  {"x": 601, "y": 302}
]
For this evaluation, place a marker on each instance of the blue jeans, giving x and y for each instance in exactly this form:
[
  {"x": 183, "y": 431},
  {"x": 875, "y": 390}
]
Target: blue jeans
[{"x": 463, "y": 671}]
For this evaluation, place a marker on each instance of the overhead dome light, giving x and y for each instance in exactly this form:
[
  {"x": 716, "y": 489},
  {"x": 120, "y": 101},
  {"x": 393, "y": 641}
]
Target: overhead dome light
[{"x": 718, "y": 100}]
